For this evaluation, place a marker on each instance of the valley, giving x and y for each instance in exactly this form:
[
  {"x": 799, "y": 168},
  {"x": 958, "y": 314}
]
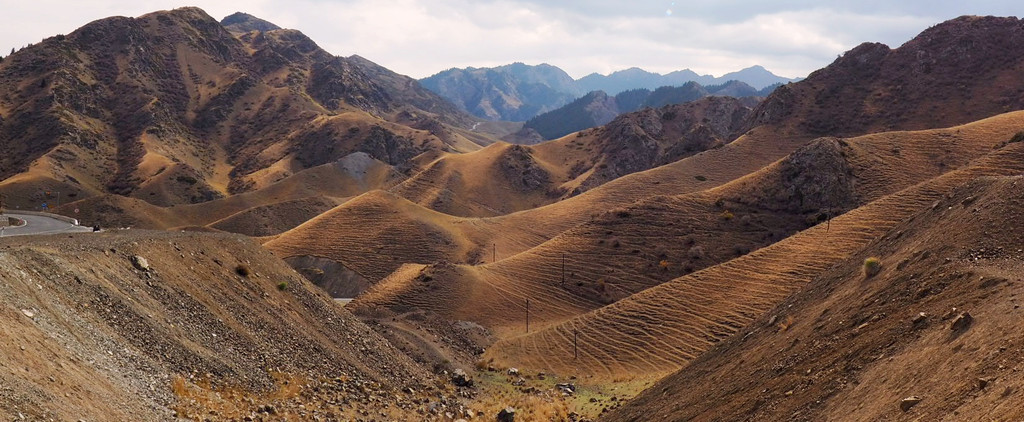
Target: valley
[{"x": 288, "y": 234}]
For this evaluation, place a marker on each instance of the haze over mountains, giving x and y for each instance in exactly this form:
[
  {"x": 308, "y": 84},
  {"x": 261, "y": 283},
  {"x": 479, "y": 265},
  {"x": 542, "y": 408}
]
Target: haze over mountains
[
  {"x": 701, "y": 257},
  {"x": 598, "y": 108},
  {"x": 518, "y": 92}
]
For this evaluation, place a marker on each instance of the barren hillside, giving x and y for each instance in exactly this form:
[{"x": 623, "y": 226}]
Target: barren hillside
[
  {"x": 202, "y": 326},
  {"x": 171, "y": 108},
  {"x": 852, "y": 347},
  {"x": 627, "y": 250}
]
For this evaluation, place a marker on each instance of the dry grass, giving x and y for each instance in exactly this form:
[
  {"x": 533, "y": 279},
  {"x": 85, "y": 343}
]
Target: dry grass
[{"x": 664, "y": 327}]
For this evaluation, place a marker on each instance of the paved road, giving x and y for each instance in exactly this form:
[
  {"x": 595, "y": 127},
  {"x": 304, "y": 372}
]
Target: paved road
[{"x": 37, "y": 224}]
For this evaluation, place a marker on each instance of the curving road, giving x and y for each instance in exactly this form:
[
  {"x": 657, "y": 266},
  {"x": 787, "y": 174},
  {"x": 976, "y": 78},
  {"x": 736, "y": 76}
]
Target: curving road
[{"x": 39, "y": 224}]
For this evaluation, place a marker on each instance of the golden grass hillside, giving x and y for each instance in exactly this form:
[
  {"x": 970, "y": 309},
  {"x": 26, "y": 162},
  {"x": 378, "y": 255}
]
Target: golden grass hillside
[
  {"x": 647, "y": 334},
  {"x": 625, "y": 251},
  {"x": 845, "y": 347},
  {"x": 271, "y": 210}
]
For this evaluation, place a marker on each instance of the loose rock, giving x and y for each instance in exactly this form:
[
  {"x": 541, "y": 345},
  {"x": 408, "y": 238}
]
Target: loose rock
[
  {"x": 140, "y": 263},
  {"x": 909, "y": 402},
  {"x": 460, "y": 379},
  {"x": 962, "y": 322}
]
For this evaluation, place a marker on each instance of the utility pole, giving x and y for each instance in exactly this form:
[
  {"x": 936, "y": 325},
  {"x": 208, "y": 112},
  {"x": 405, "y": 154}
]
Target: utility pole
[
  {"x": 575, "y": 352},
  {"x": 527, "y": 315}
]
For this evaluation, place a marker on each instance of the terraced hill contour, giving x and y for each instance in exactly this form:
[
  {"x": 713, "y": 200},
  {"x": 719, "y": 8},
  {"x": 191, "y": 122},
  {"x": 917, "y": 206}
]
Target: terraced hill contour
[{"x": 847, "y": 347}]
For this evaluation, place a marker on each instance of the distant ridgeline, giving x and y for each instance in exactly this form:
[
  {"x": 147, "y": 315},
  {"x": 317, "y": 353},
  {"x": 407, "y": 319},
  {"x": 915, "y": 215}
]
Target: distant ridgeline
[
  {"x": 519, "y": 92},
  {"x": 598, "y": 108}
]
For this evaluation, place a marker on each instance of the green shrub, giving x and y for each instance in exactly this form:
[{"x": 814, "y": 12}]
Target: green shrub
[
  {"x": 242, "y": 270},
  {"x": 872, "y": 266},
  {"x": 700, "y": 178},
  {"x": 282, "y": 286}
]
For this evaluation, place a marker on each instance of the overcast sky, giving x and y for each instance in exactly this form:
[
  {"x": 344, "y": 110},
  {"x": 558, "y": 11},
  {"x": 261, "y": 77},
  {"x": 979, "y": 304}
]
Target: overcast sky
[{"x": 418, "y": 38}]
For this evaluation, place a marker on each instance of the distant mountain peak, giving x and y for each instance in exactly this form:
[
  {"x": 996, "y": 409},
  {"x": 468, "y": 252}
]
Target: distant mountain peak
[{"x": 244, "y": 22}]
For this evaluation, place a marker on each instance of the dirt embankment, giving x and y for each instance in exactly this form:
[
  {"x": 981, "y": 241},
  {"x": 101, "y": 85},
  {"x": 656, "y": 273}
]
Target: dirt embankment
[{"x": 139, "y": 325}]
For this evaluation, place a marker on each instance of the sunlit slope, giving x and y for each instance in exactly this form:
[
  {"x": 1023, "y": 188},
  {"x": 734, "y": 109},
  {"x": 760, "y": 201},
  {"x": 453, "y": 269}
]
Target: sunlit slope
[
  {"x": 847, "y": 347},
  {"x": 293, "y": 199},
  {"x": 663, "y": 328},
  {"x": 627, "y": 250}
]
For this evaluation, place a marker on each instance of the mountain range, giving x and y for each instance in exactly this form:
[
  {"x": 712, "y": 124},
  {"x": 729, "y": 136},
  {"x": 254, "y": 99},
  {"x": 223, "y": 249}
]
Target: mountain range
[
  {"x": 598, "y": 108},
  {"x": 518, "y": 92},
  {"x": 809, "y": 254}
]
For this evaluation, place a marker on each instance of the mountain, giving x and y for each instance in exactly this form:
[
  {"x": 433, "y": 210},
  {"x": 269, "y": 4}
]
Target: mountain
[
  {"x": 598, "y": 108},
  {"x": 634, "y": 78},
  {"x": 244, "y": 22},
  {"x": 512, "y": 92},
  {"x": 851, "y": 345},
  {"x": 663, "y": 265},
  {"x": 518, "y": 92},
  {"x": 172, "y": 108},
  {"x": 755, "y": 76},
  {"x": 952, "y": 73},
  {"x": 593, "y": 109}
]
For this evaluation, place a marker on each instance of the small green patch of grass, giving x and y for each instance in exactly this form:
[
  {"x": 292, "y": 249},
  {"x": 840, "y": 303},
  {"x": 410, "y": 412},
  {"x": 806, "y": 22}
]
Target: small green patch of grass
[{"x": 872, "y": 266}]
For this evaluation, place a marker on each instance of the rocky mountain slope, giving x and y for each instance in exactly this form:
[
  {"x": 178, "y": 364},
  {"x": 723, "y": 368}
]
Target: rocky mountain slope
[
  {"x": 140, "y": 325},
  {"x": 955, "y": 72},
  {"x": 172, "y": 108},
  {"x": 514, "y": 92}
]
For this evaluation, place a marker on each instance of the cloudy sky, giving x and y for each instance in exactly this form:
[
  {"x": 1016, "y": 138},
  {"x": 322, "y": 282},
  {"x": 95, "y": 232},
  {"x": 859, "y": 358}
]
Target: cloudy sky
[{"x": 419, "y": 38}]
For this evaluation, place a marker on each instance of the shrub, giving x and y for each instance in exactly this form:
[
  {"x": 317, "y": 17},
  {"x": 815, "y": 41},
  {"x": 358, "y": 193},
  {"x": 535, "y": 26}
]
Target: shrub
[
  {"x": 700, "y": 178},
  {"x": 696, "y": 252},
  {"x": 664, "y": 264},
  {"x": 282, "y": 286},
  {"x": 1019, "y": 136},
  {"x": 242, "y": 270},
  {"x": 727, "y": 215},
  {"x": 872, "y": 266}
]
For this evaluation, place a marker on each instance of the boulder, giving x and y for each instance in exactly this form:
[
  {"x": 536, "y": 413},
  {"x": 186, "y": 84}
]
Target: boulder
[
  {"x": 460, "y": 379},
  {"x": 507, "y": 414},
  {"x": 141, "y": 263}
]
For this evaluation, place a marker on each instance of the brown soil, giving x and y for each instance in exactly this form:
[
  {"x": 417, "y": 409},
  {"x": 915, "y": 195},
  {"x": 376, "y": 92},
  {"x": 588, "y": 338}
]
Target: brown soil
[
  {"x": 850, "y": 347},
  {"x": 91, "y": 336}
]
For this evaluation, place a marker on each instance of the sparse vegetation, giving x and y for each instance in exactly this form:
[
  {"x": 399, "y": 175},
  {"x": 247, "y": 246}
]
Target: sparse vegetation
[
  {"x": 696, "y": 252},
  {"x": 786, "y": 323},
  {"x": 282, "y": 286},
  {"x": 727, "y": 215},
  {"x": 700, "y": 178},
  {"x": 1019, "y": 136},
  {"x": 872, "y": 266},
  {"x": 187, "y": 179},
  {"x": 242, "y": 270}
]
